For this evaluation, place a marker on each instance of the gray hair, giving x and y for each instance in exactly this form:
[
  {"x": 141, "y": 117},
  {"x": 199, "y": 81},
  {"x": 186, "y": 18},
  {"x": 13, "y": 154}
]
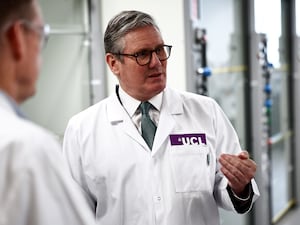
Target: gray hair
[{"x": 122, "y": 24}]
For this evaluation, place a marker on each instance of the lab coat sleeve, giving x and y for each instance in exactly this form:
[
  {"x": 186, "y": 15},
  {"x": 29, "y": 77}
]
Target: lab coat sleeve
[
  {"x": 72, "y": 154},
  {"x": 38, "y": 189},
  {"x": 226, "y": 142}
]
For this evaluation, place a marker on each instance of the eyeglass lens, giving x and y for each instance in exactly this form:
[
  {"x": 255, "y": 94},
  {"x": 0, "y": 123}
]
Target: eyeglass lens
[
  {"x": 42, "y": 30},
  {"x": 145, "y": 57}
]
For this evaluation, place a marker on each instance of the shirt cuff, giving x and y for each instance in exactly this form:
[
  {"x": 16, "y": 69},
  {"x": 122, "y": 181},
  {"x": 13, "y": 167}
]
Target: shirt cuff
[
  {"x": 244, "y": 199},
  {"x": 241, "y": 204}
]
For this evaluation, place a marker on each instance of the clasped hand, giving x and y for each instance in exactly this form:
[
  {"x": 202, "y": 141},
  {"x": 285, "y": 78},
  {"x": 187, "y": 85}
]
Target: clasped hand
[{"x": 239, "y": 170}]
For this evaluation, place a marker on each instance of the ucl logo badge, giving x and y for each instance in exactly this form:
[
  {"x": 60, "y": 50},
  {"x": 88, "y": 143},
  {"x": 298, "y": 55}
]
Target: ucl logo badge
[{"x": 188, "y": 139}]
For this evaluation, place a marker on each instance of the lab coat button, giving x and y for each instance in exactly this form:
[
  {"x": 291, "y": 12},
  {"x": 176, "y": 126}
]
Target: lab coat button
[{"x": 157, "y": 199}]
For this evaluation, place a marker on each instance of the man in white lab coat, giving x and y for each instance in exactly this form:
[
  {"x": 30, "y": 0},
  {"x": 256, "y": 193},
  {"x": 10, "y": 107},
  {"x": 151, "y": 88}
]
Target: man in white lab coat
[
  {"x": 35, "y": 185},
  {"x": 194, "y": 164}
]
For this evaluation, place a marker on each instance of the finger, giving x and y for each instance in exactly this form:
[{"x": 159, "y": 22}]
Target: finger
[
  {"x": 240, "y": 160},
  {"x": 244, "y": 155},
  {"x": 234, "y": 180},
  {"x": 231, "y": 160},
  {"x": 237, "y": 179},
  {"x": 232, "y": 174},
  {"x": 246, "y": 168},
  {"x": 235, "y": 169}
]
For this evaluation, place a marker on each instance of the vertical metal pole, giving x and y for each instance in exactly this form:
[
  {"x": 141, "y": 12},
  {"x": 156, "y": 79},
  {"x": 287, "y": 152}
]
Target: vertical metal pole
[
  {"x": 295, "y": 83},
  {"x": 98, "y": 81},
  {"x": 259, "y": 147},
  {"x": 267, "y": 121},
  {"x": 189, "y": 55},
  {"x": 254, "y": 87},
  {"x": 203, "y": 71},
  {"x": 196, "y": 65}
]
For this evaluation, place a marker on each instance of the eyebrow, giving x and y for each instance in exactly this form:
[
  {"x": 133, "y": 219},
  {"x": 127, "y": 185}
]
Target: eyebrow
[{"x": 148, "y": 49}]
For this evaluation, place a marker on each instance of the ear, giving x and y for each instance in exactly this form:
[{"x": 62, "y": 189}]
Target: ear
[
  {"x": 15, "y": 40},
  {"x": 113, "y": 63}
]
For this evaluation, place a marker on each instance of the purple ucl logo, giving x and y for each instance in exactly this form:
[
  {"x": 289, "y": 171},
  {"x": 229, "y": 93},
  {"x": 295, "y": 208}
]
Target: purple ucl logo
[{"x": 188, "y": 139}]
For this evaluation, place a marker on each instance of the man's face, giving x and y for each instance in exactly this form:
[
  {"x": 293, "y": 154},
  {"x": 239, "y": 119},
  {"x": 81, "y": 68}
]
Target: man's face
[
  {"x": 30, "y": 67},
  {"x": 142, "y": 82}
]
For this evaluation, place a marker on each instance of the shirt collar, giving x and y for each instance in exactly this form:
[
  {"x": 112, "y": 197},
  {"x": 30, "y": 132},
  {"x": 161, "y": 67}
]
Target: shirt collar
[{"x": 131, "y": 104}]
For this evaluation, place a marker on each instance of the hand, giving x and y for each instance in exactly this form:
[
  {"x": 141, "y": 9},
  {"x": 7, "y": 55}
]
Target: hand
[{"x": 239, "y": 170}]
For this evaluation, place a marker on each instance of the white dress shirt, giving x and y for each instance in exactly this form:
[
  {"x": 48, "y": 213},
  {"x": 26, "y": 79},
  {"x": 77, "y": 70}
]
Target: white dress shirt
[{"x": 131, "y": 105}]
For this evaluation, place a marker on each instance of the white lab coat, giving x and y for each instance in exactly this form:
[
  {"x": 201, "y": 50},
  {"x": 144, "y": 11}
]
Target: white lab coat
[
  {"x": 35, "y": 185},
  {"x": 128, "y": 184}
]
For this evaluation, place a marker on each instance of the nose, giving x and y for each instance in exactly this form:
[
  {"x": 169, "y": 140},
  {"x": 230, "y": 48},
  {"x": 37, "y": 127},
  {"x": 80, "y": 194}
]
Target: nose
[{"x": 154, "y": 60}]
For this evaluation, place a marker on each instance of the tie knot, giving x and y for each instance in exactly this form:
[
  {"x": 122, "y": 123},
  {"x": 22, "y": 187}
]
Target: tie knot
[{"x": 145, "y": 107}]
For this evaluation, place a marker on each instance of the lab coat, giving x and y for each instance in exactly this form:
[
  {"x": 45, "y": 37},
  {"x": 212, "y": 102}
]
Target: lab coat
[
  {"x": 35, "y": 185},
  {"x": 177, "y": 183}
]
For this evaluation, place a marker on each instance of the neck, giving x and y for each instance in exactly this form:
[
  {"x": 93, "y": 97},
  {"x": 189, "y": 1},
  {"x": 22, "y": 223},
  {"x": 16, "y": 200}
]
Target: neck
[{"x": 7, "y": 83}]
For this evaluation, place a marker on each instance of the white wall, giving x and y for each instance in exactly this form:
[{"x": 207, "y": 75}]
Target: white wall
[
  {"x": 169, "y": 17},
  {"x": 63, "y": 85}
]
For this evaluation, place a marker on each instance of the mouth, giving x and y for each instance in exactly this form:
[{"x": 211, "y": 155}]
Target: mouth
[{"x": 155, "y": 75}]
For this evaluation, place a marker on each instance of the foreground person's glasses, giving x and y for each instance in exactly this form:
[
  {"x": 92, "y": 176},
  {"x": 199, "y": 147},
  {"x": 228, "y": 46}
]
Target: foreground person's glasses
[{"x": 42, "y": 30}]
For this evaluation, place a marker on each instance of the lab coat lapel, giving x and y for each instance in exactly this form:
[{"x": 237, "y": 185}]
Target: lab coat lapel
[
  {"x": 118, "y": 116},
  {"x": 166, "y": 121}
]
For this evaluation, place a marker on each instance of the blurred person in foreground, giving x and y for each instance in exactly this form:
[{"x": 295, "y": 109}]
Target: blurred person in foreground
[
  {"x": 35, "y": 185},
  {"x": 149, "y": 154}
]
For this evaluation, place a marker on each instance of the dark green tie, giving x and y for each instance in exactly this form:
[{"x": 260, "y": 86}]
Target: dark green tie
[{"x": 148, "y": 127}]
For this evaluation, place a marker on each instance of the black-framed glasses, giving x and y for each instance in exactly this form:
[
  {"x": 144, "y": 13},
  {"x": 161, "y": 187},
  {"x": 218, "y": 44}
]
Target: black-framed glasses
[
  {"x": 42, "y": 30},
  {"x": 144, "y": 57}
]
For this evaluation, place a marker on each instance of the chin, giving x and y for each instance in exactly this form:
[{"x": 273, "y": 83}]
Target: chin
[{"x": 158, "y": 88}]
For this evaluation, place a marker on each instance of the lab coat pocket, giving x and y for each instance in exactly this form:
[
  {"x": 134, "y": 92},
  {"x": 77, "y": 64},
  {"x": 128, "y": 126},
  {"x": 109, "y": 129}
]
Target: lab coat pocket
[{"x": 190, "y": 168}]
